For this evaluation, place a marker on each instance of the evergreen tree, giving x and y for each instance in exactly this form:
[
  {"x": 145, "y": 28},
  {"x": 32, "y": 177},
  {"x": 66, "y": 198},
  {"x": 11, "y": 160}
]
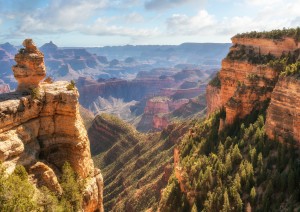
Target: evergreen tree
[
  {"x": 71, "y": 188},
  {"x": 226, "y": 204},
  {"x": 253, "y": 195}
]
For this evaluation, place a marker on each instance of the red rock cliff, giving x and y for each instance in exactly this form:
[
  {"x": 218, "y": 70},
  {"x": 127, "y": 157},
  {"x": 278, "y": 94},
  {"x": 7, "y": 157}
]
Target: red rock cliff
[
  {"x": 266, "y": 46},
  {"x": 213, "y": 99},
  {"x": 244, "y": 87},
  {"x": 283, "y": 114}
]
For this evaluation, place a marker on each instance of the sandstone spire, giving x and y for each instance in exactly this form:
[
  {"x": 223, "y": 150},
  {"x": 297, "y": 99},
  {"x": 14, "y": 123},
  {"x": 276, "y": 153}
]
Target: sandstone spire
[{"x": 30, "y": 68}]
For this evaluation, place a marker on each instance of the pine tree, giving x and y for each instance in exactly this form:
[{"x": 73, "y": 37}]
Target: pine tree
[
  {"x": 253, "y": 195},
  {"x": 260, "y": 163},
  {"x": 236, "y": 154},
  {"x": 226, "y": 204},
  {"x": 71, "y": 187}
]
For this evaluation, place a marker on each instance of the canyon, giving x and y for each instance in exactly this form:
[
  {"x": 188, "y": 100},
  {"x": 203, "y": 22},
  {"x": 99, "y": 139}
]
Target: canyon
[
  {"x": 41, "y": 129},
  {"x": 176, "y": 159},
  {"x": 120, "y": 80},
  {"x": 253, "y": 109},
  {"x": 247, "y": 86}
]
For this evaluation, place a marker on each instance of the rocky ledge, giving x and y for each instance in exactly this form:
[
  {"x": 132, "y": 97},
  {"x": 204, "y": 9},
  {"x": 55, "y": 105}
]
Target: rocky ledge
[
  {"x": 41, "y": 129},
  {"x": 44, "y": 129},
  {"x": 283, "y": 118}
]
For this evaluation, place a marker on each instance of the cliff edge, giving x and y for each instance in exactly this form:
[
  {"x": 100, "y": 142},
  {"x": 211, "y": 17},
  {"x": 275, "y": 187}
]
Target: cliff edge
[
  {"x": 41, "y": 129},
  {"x": 261, "y": 67}
]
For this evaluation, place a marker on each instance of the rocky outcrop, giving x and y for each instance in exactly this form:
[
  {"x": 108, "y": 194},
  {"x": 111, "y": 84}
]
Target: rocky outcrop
[
  {"x": 213, "y": 99},
  {"x": 43, "y": 130},
  {"x": 244, "y": 87},
  {"x": 155, "y": 113},
  {"x": 30, "y": 68},
  {"x": 283, "y": 120},
  {"x": 47, "y": 129},
  {"x": 160, "y": 122},
  {"x": 266, "y": 46}
]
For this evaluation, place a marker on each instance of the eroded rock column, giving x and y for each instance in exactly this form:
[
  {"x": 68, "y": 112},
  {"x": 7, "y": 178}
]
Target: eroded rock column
[{"x": 30, "y": 68}]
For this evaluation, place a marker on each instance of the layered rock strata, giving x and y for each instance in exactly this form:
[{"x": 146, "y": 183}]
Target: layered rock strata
[
  {"x": 42, "y": 130},
  {"x": 244, "y": 87},
  {"x": 30, "y": 68},
  {"x": 213, "y": 99},
  {"x": 266, "y": 46},
  {"x": 155, "y": 113},
  {"x": 283, "y": 114}
]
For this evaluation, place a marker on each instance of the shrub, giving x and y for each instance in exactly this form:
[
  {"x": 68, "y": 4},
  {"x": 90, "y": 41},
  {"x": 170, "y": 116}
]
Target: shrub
[
  {"x": 71, "y": 86},
  {"x": 35, "y": 93}
]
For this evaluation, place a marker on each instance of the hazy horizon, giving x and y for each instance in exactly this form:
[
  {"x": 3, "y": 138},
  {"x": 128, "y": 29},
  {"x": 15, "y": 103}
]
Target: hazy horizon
[{"x": 98, "y": 23}]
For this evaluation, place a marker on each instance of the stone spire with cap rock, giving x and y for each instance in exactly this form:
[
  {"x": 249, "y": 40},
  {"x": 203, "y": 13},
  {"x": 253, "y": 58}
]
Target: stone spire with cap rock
[{"x": 30, "y": 69}]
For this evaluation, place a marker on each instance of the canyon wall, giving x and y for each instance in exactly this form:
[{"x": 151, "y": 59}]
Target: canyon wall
[
  {"x": 213, "y": 99},
  {"x": 266, "y": 46},
  {"x": 156, "y": 111},
  {"x": 90, "y": 90},
  {"x": 41, "y": 129},
  {"x": 283, "y": 114},
  {"x": 246, "y": 86}
]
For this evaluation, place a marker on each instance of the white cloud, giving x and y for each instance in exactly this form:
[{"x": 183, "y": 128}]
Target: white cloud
[
  {"x": 167, "y": 4},
  {"x": 267, "y": 17},
  {"x": 60, "y": 16},
  {"x": 103, "y": 27},
  {"x": 133, "y": 18},
  {"x": 185, "y": 25}
]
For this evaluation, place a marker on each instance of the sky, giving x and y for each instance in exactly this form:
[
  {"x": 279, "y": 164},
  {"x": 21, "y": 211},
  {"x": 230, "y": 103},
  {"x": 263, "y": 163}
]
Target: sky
[{"x": 92, "y": 23}]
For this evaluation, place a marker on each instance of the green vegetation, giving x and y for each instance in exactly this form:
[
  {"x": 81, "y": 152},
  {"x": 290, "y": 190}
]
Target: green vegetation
[
  {"x": 136, "y": 166},
  {"x": 238, "y": 168},
  {"x": 35, "y": 93},
  {"x": 247, "y": 53},
  {"x": 71, "y": 86},
  {"x": 18, "y": 194},
  {"x": 274, "y": 34},
  {"x": 287, "y": 65},
  {"x": 216, "y": 82},
  {"x": 292, "y": 69},
  {"x": 72, "y": 187},
  {"x": 21, "y": 50}
]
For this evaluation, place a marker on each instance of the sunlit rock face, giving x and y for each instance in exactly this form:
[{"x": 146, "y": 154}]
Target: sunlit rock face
[
  {"x": 42, "y": 129},
  {"x": 30, "y": 68},
  {"x": 213, "y": 99},
  {"x": 283, "y": 119},
  {"x": 266, "y": 46}
]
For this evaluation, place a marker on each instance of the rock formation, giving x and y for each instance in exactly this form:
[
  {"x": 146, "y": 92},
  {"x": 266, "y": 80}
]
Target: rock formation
[
  {"x": 245, "y": 87},
  {"x": 266, "y": 46},
  {"x": 213, "y": 99},
  {"x": 44, "y": 130},
  {"x": 156, "y": 111},
  {"x": 283, "y": 120},
  {"x": 30, "y": 68},
  {"x": 248, "y": 81}
]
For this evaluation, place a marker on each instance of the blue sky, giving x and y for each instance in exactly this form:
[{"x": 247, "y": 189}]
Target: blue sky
[{"x": 121, "y": 22}]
